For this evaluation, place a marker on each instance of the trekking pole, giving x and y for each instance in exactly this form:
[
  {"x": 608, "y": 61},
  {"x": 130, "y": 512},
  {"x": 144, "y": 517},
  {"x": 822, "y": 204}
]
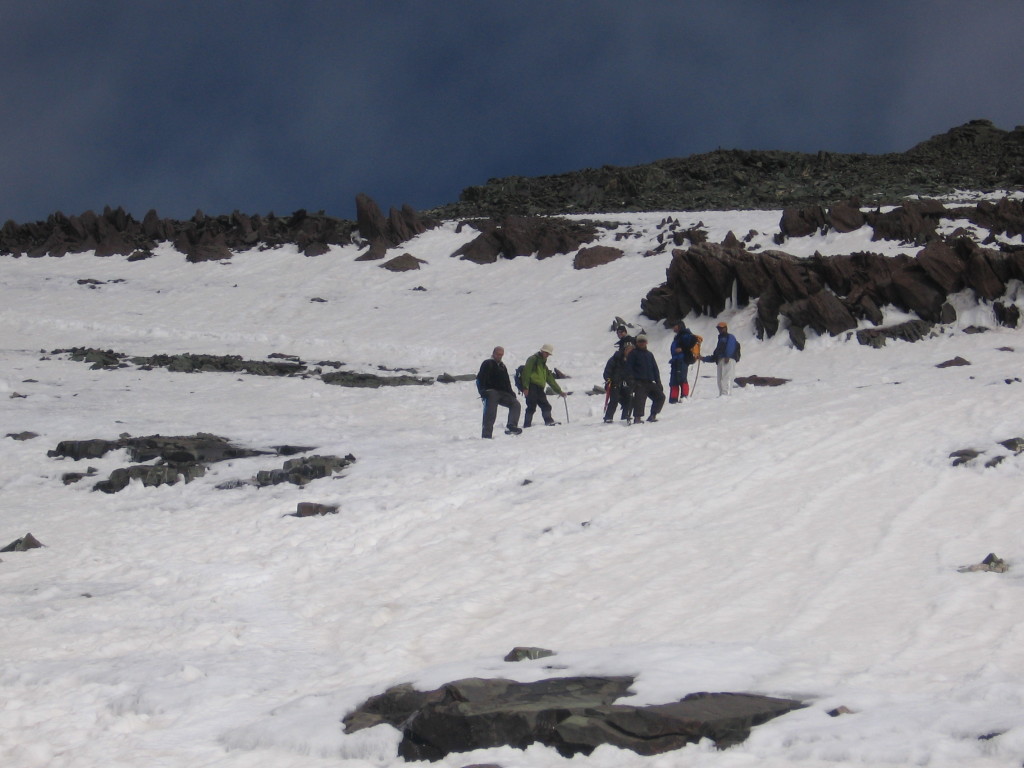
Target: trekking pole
[
  {"x": 696, "y": 378},
  {"x": 565, "y": 402}
]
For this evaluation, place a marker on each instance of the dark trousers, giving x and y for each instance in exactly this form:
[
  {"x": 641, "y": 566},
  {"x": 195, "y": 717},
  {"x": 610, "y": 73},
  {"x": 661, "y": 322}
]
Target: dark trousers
[
  {"x": 641, "y": 391},
  {"x": 620, "y": 395},
  {"x": 492, "y": 399},
  {"x": 535, "y": 397}
]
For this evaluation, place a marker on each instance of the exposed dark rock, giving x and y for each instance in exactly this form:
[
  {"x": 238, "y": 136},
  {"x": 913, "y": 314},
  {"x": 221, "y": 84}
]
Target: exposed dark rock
[
  {"x": 515, "y": 236},
  {"x": 1007, "y": 315},
  {"x": 991, "y": 564},
  {"x": 25, "y": 543},
  {"x": 185, "y": 363},
  {"x": 1015, "y": 444},
  {"x": 201, "y": 238},
  {"x": 177, "y": 458},
  {"x": 976, "y": 155},
  {"x": 22, "y": 435},
  {"x": 760, "y": 381},
  {"x": 314, "y": 509},
  {"x": 354, "y": 379},
  {"x": 447, "y": 378},
  {"x": 912, "y": 330},
  {"x": 956, "y": 361},
  {"x": 382, "y": 233},
  {"x": 596, "y": 256},
  {"x": 521, "y": 653},
  {"x": 574, "y": 715},
  {"x": 304, "y": 470},
  {"x": 964, "y": 456},
  {"x": 404, "y": 263}
]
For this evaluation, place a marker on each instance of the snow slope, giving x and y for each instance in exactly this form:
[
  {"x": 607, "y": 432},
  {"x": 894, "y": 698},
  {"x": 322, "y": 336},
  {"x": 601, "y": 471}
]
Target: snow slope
[{"x": 797, "y": 541}]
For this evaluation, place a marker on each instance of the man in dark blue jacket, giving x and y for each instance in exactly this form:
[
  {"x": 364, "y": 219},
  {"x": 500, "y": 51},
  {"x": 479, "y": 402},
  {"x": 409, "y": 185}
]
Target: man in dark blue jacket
[
  {"x": 725, "y": 356},
  {"x": 646, "y": 381},
  {"x": 679, "y": 361},
  {"x": 495, "y": 389}
]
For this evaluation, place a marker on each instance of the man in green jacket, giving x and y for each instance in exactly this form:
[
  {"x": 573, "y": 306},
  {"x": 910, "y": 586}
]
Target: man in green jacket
[{"x": 536, "y": 377}]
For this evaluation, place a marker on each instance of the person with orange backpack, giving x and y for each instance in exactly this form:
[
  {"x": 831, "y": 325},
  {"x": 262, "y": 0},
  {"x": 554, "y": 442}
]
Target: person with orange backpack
[{"x": 685, "y": 350}]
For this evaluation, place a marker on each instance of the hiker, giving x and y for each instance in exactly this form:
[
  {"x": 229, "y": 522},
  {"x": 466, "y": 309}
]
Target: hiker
[
  {"x": 618, "y": 384},
  {"x": 682, "y": 354},
  {"x": 725, "y": 356},
  {"x": 646, "y": 381},
  {"x": 536, "y": 377},
  {"x": 624, "y": 338},
  {"x": 495, "y": 389}
]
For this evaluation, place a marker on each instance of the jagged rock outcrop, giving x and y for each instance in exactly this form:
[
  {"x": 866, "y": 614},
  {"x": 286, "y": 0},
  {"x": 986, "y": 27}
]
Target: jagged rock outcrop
[
  {"x": 201, "y": 238},
  {"x": 24, "y": 544},
  {"x": 574, "y": 715},
  {"x": 382, "y": 233},
  {"x": 513, "y": 236},
  {"x": 833, "y": 294}
]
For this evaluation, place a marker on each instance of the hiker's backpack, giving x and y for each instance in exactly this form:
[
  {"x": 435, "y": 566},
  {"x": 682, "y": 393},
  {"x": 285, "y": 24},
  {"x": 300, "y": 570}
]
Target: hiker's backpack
[
  {"x": 693, "y": 353},
  {"x": 519, "y": 378}
]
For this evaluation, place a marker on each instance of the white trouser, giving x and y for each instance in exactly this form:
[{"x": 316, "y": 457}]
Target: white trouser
[{"x": 726, "y": 371}]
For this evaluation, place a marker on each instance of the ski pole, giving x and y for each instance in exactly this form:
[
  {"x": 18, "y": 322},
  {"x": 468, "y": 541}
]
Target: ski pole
[{"x": 566, "y": 404}]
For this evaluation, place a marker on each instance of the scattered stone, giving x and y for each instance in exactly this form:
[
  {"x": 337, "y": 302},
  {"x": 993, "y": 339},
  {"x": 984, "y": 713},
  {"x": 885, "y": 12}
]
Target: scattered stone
[
  {"x": 447, "y": 378},
  {"x": 522, "y": 653},
  {"x": 841, "y": 710},
  {"x": 964, "y": 456},
  {"x": 22, "y": 435},
  {"x": 69, "y": 478},
  {"x": 956, "y": 361},
  {"x": 1015, "y": 444},
  {"x": 25, "y": 543},
  {"x": 991, "y": 564},
  {"x": 314, "y": 509},
  {"x": 761, "y": 381},
  {"x": 404, "y": 263},
  {"x": 304, "y": 470}
]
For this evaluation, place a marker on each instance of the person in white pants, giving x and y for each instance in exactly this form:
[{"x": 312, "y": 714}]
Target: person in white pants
[{"x": 725, "y": 357}]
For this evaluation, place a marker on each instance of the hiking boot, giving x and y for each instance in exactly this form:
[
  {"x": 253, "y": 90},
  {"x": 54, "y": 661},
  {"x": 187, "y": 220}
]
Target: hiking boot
[
  {"x": 513, "y": 431},
  {"x": 652, "y": 418},
  {"x": 552, "y": 423}
]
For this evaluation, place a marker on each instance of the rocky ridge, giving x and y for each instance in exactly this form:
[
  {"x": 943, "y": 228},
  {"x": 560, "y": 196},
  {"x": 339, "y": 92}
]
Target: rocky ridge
[{"x": 975, "y": 156}]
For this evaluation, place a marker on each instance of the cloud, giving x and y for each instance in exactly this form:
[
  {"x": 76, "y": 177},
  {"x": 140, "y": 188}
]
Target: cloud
[{"x": 264, "y": 106}]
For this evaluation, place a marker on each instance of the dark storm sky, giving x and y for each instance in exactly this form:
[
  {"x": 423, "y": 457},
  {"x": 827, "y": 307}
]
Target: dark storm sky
[{"x": 275, "y": 106}]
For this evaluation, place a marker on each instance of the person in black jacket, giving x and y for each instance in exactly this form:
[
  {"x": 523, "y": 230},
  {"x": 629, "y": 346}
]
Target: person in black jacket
[
  {"x": 646, "y": 381},
  {"x": 618, "y": 383},
  {"x": 495, "y": 389}
]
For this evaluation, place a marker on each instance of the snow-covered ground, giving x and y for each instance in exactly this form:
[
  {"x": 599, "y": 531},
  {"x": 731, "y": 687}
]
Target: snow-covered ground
[{"x": 799, "y": 541}]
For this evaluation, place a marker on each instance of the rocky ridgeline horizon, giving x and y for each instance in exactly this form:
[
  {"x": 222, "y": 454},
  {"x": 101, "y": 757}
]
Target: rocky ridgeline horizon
[{"x": 975, "y": 156}]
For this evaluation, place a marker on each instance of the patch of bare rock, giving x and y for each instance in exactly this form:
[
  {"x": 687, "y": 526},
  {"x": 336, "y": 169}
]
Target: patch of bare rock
[{"x": 573, "y": 715}]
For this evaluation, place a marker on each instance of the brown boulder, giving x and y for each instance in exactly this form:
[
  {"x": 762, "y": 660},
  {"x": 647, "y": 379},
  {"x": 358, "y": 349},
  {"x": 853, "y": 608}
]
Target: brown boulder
[{"x": 596, "y": 256}]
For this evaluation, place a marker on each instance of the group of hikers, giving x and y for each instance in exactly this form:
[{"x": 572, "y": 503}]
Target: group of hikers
[{"x": 631, "y": 378}]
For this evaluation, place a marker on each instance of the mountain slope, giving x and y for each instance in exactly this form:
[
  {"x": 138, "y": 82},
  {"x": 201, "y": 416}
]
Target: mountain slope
[{"x": 801, "y": 540}]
